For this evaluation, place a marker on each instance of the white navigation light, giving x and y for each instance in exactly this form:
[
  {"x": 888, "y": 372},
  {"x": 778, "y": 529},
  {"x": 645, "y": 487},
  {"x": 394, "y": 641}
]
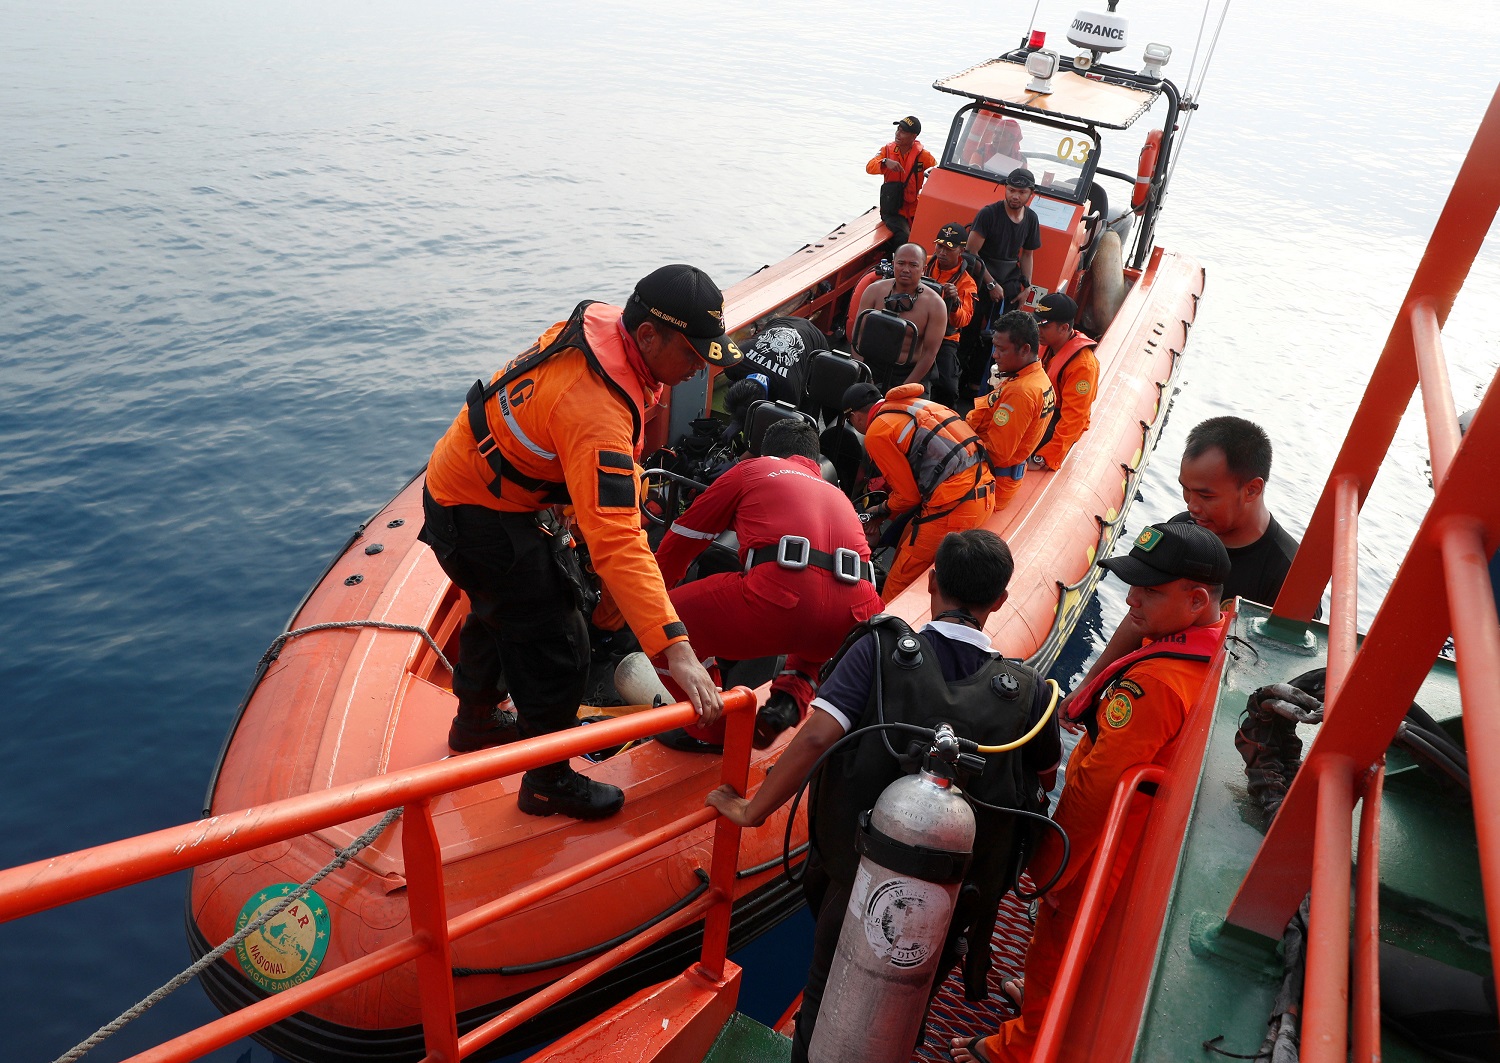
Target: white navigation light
[
  {"x": 1041, "y": 66},
  {"x": 1098, "y": 31},
  {"x": 1156, "y": 57}
]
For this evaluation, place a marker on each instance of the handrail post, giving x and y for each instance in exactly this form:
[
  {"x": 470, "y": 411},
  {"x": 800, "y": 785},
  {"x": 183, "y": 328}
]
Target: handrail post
[
  {"x": 1365, "y": 1017},
  {"x": 739, "y": 723},
  {"x": 429, "y": 921},
  {"x": 1325, "y": 1002},
  {"x": 1343, "y": 613},
  {"x": 1437, "y": 390},
  {"x": 1476, "y": 643}
]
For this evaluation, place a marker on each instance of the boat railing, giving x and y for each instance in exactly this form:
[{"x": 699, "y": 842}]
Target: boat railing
[
  {"x": 87, "y": 873},
  {"x": 1442, "y": 588},
  {"x": 1091, "y": 911}
]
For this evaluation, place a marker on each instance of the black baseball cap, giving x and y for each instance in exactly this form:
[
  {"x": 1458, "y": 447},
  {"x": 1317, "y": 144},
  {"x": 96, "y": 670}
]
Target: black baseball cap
[
  {"x": 858, "y": 396},
  {"x": 952, "y": 234},
  {"x": 1056, "y": 308},
  {"x": 1164, "y": 552},
  {"x": 687, "y": 299},
  {"x": 911, "y": 123},
  {"x": 1021, "y": 177}
]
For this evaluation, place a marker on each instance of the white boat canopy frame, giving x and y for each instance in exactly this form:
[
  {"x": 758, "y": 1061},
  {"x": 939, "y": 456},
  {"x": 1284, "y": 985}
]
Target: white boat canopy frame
[{"x": 1079, "y": 98}]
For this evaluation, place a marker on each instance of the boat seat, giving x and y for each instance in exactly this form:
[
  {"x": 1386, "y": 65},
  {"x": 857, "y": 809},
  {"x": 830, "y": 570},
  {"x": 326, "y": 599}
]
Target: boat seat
[
  {"x": 764, "y": 413},
  {"x": 880, "y": 338},
  {"x": 830, "y": 374}
]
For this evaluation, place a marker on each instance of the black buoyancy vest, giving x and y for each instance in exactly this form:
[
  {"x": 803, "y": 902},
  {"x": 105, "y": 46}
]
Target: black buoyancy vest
[
  {"x": 990, "y": 707},
  {"x": 570, "y": 338}
]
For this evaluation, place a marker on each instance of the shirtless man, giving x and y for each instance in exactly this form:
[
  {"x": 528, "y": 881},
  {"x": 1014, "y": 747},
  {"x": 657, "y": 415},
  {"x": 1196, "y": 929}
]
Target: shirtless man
[{"x": 906, "y": 295}]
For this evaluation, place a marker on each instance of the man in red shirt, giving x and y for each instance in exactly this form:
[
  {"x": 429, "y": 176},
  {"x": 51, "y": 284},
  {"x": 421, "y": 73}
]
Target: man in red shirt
[
  {"x": 903, "y": 163},
  {"x": 805, "y": 577}
]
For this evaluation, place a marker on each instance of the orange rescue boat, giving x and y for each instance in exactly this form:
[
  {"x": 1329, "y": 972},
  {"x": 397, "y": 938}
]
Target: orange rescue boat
[{"x": 346, "y": 704}]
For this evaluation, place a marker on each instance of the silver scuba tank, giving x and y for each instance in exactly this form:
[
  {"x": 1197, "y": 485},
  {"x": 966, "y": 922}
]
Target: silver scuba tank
[{"x": 915, "y": 844}]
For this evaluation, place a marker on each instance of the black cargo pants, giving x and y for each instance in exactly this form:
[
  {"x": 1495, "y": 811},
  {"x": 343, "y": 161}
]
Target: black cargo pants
[{"x": 524, "y": 634}]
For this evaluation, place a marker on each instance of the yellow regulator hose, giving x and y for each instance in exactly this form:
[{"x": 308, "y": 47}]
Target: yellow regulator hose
[{"x": 1029, "y": 735}]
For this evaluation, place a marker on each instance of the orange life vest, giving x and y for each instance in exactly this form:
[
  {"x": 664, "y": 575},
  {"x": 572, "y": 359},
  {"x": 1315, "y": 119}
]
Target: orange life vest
[
  {"x": 496, "y": 432},
  {"x": 945, "y": 457}
]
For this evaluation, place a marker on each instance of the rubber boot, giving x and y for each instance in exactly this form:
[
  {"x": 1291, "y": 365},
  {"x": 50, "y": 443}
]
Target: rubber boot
[
  {"x": 481, "y": 726},
  {"x": 557, "y": 789},
  {"x": 776, "y": 715}
]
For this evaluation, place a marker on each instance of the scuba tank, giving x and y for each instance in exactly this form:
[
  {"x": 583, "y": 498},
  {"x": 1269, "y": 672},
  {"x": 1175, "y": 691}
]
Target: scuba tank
[
  {"x": 637, "y": 683},
  {"x": 915, "y": 846}
]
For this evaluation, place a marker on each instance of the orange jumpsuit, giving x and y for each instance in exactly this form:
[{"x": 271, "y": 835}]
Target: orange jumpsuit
[
  {"x": 1074, "y": 372},
  {"x": 579, "y": 430},
  {"x": 1139, "y": 716},
  {"x": 561, "y": 423},
  {"x": 959, "y": 277},
  {"x": 1011, "y": 422},
  {"x": 909, "y": 439},
  {"x": 917, "y": 156}
]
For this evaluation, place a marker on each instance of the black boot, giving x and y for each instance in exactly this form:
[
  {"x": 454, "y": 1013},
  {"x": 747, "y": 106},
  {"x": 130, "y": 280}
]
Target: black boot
[
  {"x": 558, "y": 789},
  {"x": 776, "y": 715},
  {"x": 481, "y": 726}
]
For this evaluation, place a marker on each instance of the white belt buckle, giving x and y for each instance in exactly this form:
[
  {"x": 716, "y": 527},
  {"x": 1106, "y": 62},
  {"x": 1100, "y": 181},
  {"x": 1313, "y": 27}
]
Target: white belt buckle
[
  {"x": 846, "y": 565},
  {"x": 790, "y": 544}
]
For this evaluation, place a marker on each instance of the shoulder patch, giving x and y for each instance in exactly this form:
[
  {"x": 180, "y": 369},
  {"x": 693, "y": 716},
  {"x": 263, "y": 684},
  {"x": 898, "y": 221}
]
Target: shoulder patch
[
  {"x": 616, "y": 477},
  {"x": 1118, "y": 711},
  {"x": 1002, "y": 415},
  {"x": 1130, "y": 687},
  {"x": 1082, "y": 387}
]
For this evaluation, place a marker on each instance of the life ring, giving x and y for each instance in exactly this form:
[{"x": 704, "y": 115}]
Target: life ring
[{"x": 1146, "y": 170}]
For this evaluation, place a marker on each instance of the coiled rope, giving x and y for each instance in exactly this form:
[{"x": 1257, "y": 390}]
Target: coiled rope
[
  {"x": 416, "y": 629},
  {"x": 340, "y": 858}
]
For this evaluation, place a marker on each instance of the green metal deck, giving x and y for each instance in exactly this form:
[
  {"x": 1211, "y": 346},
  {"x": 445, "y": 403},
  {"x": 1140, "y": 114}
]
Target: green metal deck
[
  {"x": 743, "y": 1040},
  {"x": 1210, "y": 980}
]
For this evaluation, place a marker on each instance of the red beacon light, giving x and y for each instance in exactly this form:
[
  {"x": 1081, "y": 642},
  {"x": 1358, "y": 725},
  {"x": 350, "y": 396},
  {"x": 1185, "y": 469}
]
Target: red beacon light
[{"x": 1038, "y": 39}]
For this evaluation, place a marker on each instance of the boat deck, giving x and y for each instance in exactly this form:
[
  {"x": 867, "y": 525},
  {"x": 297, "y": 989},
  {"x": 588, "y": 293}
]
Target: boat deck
[{"x": 1208, "y": 981}]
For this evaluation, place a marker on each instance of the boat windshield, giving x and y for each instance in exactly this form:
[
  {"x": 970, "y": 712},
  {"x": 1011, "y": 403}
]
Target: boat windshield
[{"x": 990, "y": 144}]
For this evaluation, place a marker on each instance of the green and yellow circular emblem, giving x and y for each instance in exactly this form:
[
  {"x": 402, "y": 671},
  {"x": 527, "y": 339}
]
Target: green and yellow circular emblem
[
  {"x": 289, "y": 949},
  {"x": 1082, "y": 387},
  {"x": 1002, "y": 415},
  {"x": 1117, "y": 711}
]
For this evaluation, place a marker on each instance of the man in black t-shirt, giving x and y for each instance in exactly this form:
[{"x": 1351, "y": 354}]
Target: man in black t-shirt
[
  {"x": 1004, "y": 235},
  {"x": 1225, "y": 466},
  {"x": 1257, "y": 570},
  {"x": 781, "y": 351}
]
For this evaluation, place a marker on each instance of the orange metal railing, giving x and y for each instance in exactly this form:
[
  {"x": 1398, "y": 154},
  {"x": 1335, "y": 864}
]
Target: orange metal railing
[
  {"x": 1441, "y": 588},
  {"x": 1091, "y": 911},
  {"x": 89, "y": 872}
]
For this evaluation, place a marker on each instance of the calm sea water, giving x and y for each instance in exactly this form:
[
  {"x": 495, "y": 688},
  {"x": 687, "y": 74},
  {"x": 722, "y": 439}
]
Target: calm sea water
[{"x": 252, "y": 255}]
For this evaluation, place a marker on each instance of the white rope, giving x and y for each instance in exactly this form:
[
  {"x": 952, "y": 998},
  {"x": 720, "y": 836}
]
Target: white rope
[
  {"x": 341, "y": 857},
  {"x": 1187, "y": 122},
  {"x": 416, "y": 629}
]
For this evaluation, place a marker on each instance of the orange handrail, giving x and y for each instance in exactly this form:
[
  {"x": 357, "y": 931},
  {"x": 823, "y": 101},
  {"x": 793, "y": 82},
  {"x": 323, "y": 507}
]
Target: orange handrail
[
  {"x": 89, "y": 872},
  {"x": 1090, "y": 912},
  {"x": 1442, "y": 588}
]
